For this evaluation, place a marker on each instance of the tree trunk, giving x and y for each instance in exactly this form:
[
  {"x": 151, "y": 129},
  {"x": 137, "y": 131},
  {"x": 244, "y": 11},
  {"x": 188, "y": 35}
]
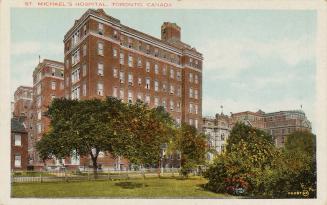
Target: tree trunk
[{"x": 95, "y": 165}]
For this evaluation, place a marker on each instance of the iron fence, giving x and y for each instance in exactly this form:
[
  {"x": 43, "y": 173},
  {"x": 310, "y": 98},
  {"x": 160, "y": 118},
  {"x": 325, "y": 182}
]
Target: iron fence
[{"x": 88, "y": 174}]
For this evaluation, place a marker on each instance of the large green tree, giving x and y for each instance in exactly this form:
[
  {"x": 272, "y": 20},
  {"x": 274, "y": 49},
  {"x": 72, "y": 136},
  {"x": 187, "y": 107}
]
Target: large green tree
[
  {"x": 249, "y": 153},
  {"x": 148, "y": 129},
  {"x": 192, "y": 147},
  {"x": 87, "y": 127},
  {"x": 254, "y": 164},
  {"x": 84, "y": 127}
]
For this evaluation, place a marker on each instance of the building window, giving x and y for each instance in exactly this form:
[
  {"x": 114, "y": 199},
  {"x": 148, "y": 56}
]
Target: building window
[
  {"x": 196, "y": 107},
  {"x": 18, "y": 140},
  {"x": 115, "y": 92},
  {"x": 52, "y": 97},
  {"x": 164, "y": 87},
  {"x": 75, "y": 92},
  {"x": 130, "y": 61},
  {"x": 156, "y": 69},
  {"x": 75, "y": 75},
  {"x": 156, "y": 52},
  {"x": 53, "y": 85},
  {"x": 172, "y": 73},
  {"x": 39, "y": 115},
  {"x": 115, "y": 72},
  {"x": 84, "y": 50},
  {"x": 84, "y": 70},
  {"x": 147, "y": 66},
  {"x": 156, "y": 86},
  {"x": 191, "y": 93},
  {"x": 196, "y": 94},
  {"x": 190, "y": 121},
  {"x": 147, "y": 83},
  {"x": 147, "y": 99},
  {"x": 178, "y": 120},
  {"x": 191, "y": 108},
  {"x": 115, "y": 34},
  {"x": 130, "y": 79},
  {"x": 178, "y": 107},
  {"x": 178, "y": 75},
  {"x": 147, "y": 49},
  {"x": 121, "y": 93},
  {"x": 179, "y": 89},
  {"x": 114, "y": 52},
  {"x": 100, "y": 89},
  {"x": 61, "y": 85},
  {"x": 139, "y": 81},
  {"x": 84, "y": 89},
  {"x": 130, "y": 96},
  {"x": 164, "y": 70},
  {"x": 100, "y": 28},
  {"x": 164, "y": 104},
  {"x": 130, "y": 43},
  {"x": 75, "y": 57},
  {"x": 75, "y": 38},
  {"x": 100, "y": 69},
  {"x": 191, "y": 77},
  {"x": 196, "y": 123},
  {"x": 172, "y": 89},
  {"x": 121, "y": 77},
  {"x": 100, "y": 49},
  {"x": 139, "y": 96},
  {"x": 156, "y": 101},
  {"x": 196, "y": 79},
  {"x": 121, "y": 59},
  {"x": 172, "y": 106},
  {"x": 18, "y": 160},
  {"x": 53, "y": 71},
  {"x": 39, "y": 128},
  {"x": 139, "y": 62}
]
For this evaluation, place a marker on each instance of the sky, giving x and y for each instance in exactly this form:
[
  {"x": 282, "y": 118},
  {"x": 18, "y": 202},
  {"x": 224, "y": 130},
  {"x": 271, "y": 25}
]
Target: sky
[{"x": 253, "y": 59}]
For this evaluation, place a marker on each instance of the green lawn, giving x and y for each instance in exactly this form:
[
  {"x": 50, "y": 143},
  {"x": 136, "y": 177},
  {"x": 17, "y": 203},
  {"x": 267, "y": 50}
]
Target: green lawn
[{"x": 148, "y": 188}]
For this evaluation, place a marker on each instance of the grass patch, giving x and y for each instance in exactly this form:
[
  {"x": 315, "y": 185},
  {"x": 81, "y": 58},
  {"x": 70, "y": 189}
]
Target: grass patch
[{"x": 133, "y": 188}]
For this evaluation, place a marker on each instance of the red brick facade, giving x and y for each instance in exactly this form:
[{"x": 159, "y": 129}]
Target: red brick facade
[
  {"x": 47, "y": 84},
  {"x": 106, "y": 58},
  {"x": 23, "y": 102},
  {"x": 19, "y": 144}
]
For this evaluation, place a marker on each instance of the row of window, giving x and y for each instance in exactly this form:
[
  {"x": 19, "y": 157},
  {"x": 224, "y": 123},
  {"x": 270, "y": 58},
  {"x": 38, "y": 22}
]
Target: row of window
[
  {"x": 39, "y": 100},
  {"x": 120, "y": 93},
  {"x": 76, "y": 59},
  {"x": 134, "y": 44},
  {"x": 53, "y": 86}
]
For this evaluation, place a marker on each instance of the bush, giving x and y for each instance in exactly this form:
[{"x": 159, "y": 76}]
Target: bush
[{"x": 253, "y": 166}]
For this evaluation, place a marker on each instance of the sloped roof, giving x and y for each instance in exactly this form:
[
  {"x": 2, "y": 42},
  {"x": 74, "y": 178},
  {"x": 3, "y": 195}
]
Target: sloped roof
[{"x": 17, "y": 125}]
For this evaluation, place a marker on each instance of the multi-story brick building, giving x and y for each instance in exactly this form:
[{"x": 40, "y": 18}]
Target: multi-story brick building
[
  {"x": 106, "y": 58},
  {"x": 22, "y": 107},
  {"x": 217, "y": 130},
  {"x": 254, "y": 119},
  {"x": 103, "y": 57},
  {"x": 48, "y": 83},
  {"x": 23, "y": 97},
  {"x": 282, "y": 123},
  {"x": 19, "y": 145},
  {"x": 277, "y": 124}
]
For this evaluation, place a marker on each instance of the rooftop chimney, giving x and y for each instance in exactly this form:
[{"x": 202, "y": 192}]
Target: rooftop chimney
[{"x": 170, "y": 31}]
